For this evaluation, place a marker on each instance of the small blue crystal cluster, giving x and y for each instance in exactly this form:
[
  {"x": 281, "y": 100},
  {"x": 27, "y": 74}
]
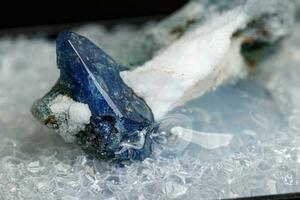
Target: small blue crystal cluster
[{"x": 121, "y": 123}]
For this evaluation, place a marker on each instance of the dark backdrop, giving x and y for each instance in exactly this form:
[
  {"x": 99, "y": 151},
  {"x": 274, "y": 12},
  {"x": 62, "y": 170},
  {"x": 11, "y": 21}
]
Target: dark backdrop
[{"x": 46, "y": 12}]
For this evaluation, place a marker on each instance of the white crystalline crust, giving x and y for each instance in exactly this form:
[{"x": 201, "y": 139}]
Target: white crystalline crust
[
  {"x": 80, "y": 113},
  {"x": 35, "y": 163},
  {"x": 73, "y": 115}
]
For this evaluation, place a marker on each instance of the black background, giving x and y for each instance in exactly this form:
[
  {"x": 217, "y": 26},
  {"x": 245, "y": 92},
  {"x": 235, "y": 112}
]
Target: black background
[{"x": 47, "y": 12}]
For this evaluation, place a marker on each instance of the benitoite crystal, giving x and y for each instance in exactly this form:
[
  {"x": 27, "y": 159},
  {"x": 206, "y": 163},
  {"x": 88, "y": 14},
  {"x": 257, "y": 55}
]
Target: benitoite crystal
[{"x": 120, "y": 124}]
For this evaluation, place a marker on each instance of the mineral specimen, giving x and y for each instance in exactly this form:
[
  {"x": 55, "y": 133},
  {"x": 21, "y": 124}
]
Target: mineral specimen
[
  {"x": 91, "y": 104},
  {"x": 104, "y": 108}
]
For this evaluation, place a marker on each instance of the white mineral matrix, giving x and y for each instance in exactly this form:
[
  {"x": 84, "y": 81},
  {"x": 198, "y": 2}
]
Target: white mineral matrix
[{"x": 197, "y": 62}]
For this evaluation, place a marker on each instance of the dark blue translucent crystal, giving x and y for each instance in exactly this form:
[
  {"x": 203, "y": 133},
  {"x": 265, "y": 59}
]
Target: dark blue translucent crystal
[{"x": 121, "y": 122}]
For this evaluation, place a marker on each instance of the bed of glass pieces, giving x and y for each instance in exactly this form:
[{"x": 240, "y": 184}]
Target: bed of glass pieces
[{"x": 262, "y": 113}]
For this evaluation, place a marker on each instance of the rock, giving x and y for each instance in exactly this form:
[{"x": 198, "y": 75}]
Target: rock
[
  {"x": 203, "y": 50},
  {"x": 120, "y": 122},
  {"x": 202, "y": 46}
]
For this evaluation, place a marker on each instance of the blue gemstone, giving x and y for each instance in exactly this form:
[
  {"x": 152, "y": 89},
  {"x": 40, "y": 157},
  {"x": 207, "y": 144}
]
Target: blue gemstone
[{"x": 121, "y": 123}]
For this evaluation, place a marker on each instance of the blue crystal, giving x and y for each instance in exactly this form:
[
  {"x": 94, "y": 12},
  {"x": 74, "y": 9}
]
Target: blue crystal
[{"x": 121, "y": 122}]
